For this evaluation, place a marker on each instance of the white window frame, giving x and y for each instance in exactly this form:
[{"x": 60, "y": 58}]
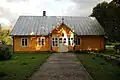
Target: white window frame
[
  {"x": 40, "y": 42},
  {"x": 78, "y": 41},
  {"x": 24, "y": 42},
  {"x": 55, "y": 41},
  {"x": 64, "y": 40},
  {"x": 71, "y": 40}
]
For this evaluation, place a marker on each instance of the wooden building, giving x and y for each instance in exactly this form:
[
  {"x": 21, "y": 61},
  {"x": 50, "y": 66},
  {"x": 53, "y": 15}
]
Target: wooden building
[{"x": 57, "y": 33}]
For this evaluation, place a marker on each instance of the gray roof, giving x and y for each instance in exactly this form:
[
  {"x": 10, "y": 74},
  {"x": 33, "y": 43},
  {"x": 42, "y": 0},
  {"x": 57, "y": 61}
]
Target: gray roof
[{"x": 43, "y": 25}]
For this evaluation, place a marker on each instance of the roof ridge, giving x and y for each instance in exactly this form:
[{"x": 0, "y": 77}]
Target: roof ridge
[{"x": 55, "y": 16}]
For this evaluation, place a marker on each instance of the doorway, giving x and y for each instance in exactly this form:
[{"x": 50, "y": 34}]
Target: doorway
[{"x": 63, "y": 47}]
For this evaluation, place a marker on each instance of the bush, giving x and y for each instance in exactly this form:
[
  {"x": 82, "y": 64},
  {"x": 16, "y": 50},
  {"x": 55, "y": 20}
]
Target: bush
[
  {"x": 5, "y": 53},
  {"x": 117, "y": 48},
  {"x": 93, "y": 58},
  {"x": 102, "y": 63},
  {"x": 2, "y": 74}
]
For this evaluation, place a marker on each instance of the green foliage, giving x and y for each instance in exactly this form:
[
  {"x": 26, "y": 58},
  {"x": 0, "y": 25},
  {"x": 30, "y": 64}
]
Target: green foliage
[
  {"x": 4, "y": 36},
  {"x": 2, "y": 74},
  {"x": 108, "y": 14},
  {"x": 5, "y": 53}
]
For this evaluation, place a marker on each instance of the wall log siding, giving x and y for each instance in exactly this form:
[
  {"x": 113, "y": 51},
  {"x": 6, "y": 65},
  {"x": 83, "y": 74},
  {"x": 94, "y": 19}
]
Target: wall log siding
[
  {"x": 32, "y": 44},
  {"x": 90, "y": 43},
  {"x": 86, "y": 42}
]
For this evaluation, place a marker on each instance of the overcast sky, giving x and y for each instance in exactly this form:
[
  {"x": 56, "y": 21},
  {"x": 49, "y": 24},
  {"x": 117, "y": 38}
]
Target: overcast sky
[{"x": 10, "y": 10}]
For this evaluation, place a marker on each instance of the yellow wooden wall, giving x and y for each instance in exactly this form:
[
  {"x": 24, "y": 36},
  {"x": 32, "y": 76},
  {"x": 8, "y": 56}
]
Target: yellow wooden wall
[
  {"x": 91, "y": 43},
  {"x": 32, "y": 44},
  {"x": 86, "y": 42}
]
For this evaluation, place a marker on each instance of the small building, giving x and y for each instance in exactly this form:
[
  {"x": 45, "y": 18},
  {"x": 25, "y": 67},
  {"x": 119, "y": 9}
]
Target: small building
[{"x": 57, "y": 33}]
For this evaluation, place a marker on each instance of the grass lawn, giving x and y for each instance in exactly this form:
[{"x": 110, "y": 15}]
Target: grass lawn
[
  {"x": 98, "y": 68},
  {"x": 22, "y": 66}
]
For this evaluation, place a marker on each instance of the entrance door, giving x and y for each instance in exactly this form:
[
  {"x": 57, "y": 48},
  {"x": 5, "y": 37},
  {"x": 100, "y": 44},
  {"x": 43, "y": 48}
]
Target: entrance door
[{"x": 62, "y": 45}]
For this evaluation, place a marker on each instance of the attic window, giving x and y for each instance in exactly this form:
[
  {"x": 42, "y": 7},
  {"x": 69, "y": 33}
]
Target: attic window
[
  {"x": 41, "y": 41},
  {"x": 62, "y": 34},
  {"x": 24, "y": 42}
]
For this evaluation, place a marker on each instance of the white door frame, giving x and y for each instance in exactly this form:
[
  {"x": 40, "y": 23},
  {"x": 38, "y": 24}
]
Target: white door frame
[{"x": 61, "y": 46}]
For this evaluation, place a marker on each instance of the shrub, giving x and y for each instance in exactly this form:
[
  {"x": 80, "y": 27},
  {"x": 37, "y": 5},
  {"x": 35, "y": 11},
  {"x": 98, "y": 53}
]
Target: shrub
[
  {"x": 118, "y": 62},
  {"x": 5, "y": 53},
  {"x": 2, "y": 74},
  {"x": 93, "y": 58},
  {"x": 102, "y": 63},
  {"x": 107, "y": 58},
  {"x": 101, "y": 55},
  {"x": 113, "y": 58}
]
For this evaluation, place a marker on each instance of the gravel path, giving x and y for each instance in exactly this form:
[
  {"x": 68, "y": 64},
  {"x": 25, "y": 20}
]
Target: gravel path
[{"x": 61, "y": 66}]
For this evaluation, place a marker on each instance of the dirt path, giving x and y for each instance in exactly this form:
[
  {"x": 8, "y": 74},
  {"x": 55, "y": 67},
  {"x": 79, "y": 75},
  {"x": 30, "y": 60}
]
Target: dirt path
[{"x": 61, "y": 66}]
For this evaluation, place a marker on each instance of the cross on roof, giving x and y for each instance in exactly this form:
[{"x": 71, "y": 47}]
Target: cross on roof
[{"x": 62, "y": 20}]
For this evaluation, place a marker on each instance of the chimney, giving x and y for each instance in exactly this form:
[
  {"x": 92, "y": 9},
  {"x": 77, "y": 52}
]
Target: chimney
[{"x": 44, "y": 13}]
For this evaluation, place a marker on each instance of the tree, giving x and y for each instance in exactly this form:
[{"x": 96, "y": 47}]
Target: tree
[
  {"x": 108, "y": 15},
  {"x": 4, "y": 36}
]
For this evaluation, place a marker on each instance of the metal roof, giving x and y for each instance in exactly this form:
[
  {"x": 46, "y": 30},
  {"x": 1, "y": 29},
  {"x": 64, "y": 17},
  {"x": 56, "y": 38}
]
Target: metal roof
[{"x": 43, "y": 25}]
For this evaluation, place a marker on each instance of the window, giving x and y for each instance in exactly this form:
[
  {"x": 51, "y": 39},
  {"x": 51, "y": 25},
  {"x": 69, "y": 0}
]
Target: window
[
  {"x": 54, "y": 42},
  {"x": 70, "y": 41},
  {"x": 77, "y": 41},
  {"x": 60, "y": 40},
  {"x": 41, "y": 41},
  {"x": 64, "y": 40},
  {"x": 24, "y": 42}
]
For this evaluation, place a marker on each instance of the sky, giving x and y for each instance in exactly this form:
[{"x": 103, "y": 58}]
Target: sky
[{"x": 10, "y": 10}]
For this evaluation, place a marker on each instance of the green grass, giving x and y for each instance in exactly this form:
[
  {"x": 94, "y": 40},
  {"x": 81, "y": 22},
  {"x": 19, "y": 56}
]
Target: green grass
[
  {"x": 98, "y": 68},
  {"x": 22, "y": 66}
]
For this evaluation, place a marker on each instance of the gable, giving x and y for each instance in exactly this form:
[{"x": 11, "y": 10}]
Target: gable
[
  {"x": 43, "y": 25},
  {"x": 61, "y": 28}
]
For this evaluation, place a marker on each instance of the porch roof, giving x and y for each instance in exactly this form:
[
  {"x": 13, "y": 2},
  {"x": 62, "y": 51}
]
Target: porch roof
[{"x": 43, "y": 25}]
